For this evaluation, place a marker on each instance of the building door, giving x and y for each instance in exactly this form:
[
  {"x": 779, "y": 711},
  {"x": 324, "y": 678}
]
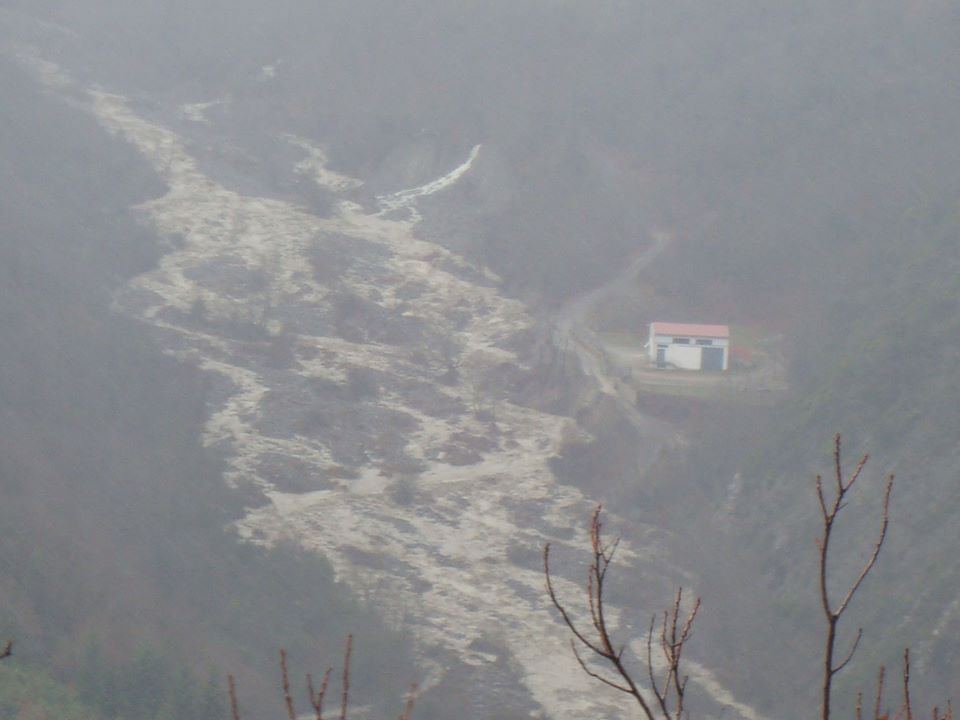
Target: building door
[
  {"x": 712, "y": 358},
  {"x": 661, "y": 355}
]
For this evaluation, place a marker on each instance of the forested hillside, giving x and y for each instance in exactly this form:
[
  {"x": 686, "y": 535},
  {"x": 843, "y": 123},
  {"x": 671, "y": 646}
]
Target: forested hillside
[
  {"x": 843, "y": 236},
  {"x": 802, "y": 160},
  {"x": 881, "y": 366}
]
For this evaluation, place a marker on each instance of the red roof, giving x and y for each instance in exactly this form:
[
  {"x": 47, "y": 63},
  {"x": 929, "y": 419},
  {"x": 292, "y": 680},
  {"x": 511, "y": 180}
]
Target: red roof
[{"x": 691, "y": 329}]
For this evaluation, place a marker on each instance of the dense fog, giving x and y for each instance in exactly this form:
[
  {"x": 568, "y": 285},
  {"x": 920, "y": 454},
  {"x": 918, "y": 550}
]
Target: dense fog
[{"x": 320, "y": 319}]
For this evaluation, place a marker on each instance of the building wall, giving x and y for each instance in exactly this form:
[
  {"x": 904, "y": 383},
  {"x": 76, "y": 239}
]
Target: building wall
[
  {"x": 651, "y": 343},
  {"x": 686, "y": 356}
]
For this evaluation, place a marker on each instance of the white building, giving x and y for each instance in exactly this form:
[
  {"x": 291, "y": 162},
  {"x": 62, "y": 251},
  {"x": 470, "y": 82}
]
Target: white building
[{"x": 689, "y": 346}]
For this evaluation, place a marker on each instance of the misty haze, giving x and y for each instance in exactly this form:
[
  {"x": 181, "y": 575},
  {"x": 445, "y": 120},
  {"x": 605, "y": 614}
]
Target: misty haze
[{"x": 321, "y": 318}]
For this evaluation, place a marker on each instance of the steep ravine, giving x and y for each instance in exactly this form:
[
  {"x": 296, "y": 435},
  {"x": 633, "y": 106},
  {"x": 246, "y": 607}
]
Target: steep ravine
[{"x": 361, "y": 390}]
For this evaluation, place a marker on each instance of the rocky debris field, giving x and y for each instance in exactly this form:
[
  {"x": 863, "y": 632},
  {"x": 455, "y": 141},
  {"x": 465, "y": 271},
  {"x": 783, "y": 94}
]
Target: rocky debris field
[{"x": 362, "y": 390}]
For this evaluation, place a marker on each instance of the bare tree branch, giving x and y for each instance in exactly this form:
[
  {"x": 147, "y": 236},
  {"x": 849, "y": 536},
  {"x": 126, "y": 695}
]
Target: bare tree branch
[
  {"x": 316, "y": 698},
  {"x": 232, "y": 689},
  {"x": 829, "y": 510},
  {"x": 285, "y": 678},
  {"x": 876, "y": 548},
  {"x": 345, "y": 696},
  {"x": 879, "y": 700},
  {"x": 408, "y": 706},
  {"x": 853, "y": 649},
  {"x": 668, "y": 697},
  {"x": 563, "y": 611},
  {"x": 594, "y": 674},
  {"x": 906, "y": 685}
]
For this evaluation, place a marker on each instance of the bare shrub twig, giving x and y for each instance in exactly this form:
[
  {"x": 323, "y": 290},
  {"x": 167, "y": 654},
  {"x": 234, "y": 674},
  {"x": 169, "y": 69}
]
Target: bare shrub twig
[{"x": 316, "y": 697}]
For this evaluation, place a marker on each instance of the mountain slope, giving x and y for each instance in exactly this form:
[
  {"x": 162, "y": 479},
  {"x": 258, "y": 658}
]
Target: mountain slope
[{"x": 111, "y": 510}]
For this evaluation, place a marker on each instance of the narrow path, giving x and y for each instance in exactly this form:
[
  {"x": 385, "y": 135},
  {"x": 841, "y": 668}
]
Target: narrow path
[{"x": 572, "y": 334}]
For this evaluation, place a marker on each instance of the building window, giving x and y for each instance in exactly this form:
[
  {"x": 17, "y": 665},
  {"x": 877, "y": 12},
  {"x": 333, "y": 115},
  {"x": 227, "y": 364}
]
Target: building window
[
  {"x": 681, "y": 341},
  {"x": 704, "y": 342}
]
